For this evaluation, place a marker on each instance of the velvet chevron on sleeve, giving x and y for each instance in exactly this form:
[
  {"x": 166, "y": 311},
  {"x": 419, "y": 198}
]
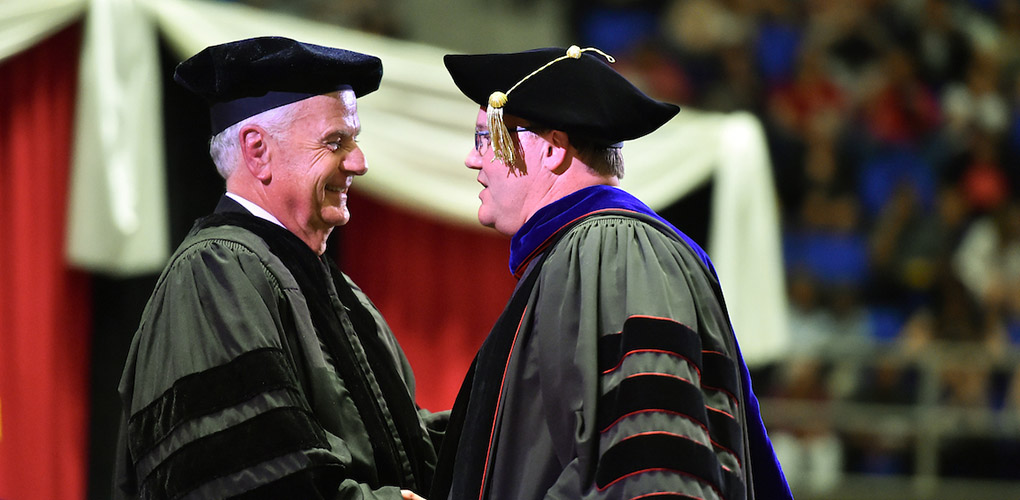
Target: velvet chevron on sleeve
[{"x": 655, "y": 366}]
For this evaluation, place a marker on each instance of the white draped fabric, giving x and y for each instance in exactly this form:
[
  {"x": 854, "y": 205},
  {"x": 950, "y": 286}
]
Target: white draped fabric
[{"x": 417, "y": 130}]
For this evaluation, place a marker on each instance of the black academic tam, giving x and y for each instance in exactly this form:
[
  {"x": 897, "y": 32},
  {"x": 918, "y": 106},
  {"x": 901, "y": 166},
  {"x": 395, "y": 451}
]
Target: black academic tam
[{"x": 243, "y": 78}]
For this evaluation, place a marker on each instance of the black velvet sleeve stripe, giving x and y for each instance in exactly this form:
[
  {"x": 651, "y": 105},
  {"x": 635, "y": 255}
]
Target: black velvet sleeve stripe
[
  {"x": 726, "y": 433},
  {"x": 721, "y": 374},
  {"x": 317, "y": 483},
  {"x": 666, "y": 496},
  {"x": 734, "y": 484},
  {"x": 659, "y": 451},
  {"x": 651, "y": 392},
  {"x": 205, "y": 392},
  {"x": 271, "y": 434},
  {"x": 646, "y": 333}
]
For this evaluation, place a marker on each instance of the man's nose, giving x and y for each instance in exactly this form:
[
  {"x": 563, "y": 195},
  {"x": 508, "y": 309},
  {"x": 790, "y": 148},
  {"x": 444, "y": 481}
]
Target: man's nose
[
  {"x": 355, "y": 162},
  {"x": 473, "y": 160}
]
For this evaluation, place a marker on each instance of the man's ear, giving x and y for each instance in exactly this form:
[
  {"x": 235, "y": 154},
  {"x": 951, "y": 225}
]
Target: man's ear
[
  {"x": 255, "y": 151},
  {"x": 555, "y": 157}
]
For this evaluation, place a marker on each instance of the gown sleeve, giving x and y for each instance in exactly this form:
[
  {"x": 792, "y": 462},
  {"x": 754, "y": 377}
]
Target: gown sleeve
[
  {"x": 214, "y": 401},
  {"x": 635, "y": 368}
]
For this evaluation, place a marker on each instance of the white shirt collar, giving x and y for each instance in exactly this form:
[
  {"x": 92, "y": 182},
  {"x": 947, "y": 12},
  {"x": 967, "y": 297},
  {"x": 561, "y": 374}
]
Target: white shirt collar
[{"x": 255, "y": 210}]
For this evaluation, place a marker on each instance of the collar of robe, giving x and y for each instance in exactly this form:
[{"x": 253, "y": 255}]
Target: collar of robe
[{"x": 534, "y": 236}]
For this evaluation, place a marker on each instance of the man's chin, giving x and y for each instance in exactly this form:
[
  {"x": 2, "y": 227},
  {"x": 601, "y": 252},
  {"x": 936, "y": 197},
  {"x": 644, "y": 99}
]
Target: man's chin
[{"x": 335, "y": 216}]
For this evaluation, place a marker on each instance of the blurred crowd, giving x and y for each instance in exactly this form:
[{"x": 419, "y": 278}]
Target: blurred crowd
[{"x": 894, "y": 131}]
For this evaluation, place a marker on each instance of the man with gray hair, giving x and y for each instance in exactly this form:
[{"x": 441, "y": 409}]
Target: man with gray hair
[{"x": 259, "y": 370}]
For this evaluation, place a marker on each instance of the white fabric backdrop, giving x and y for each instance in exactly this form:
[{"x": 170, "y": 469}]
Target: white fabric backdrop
[{"x": 417, "y": 130}]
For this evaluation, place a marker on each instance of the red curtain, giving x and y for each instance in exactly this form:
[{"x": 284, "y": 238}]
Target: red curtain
[
  {"x": 44, "y": 306},
  {"x": 440, "y": 287}
]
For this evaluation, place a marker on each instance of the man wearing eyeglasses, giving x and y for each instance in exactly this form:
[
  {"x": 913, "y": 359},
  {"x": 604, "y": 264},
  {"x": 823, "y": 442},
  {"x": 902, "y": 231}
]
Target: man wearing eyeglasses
[
  {"x": 259, "y": 370},
  {"x": 613, "y": 372}
]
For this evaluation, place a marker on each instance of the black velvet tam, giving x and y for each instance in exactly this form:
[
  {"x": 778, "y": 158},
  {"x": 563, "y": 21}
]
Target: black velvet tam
[
  {"x": 246, "y": 77},
  {"x": 584, "y": 96}
]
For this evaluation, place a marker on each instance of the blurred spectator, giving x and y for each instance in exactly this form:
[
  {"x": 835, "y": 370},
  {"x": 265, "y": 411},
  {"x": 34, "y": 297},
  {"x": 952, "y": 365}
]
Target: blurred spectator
[
  {"x": 712, "y": 40},
  {"x": 974, "y": 109},
  {"x": 739, "y": 86},
  {"x": 1008, "y": 44},
  {"x": 988, "y": 258},
  {"x": 810, "y": 450},
  {"x": 703, "y": 26},
  {"x": 779, "y": 34},
  {"x": 809, "y": 96},
  {"x": 853, "y": 38},
  {"x": 982, "y": 180},
  {"x": 901, "y": 110},
  {"x": 942, "y": 49},
  {"x": 905, "y": 247}
]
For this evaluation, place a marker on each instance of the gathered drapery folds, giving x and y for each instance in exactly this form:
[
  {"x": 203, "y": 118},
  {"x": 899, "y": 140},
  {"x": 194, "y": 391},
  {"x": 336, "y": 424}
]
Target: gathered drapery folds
[
  {"x": 45, "y": 308},
  {"x": 439, "y": 286}
]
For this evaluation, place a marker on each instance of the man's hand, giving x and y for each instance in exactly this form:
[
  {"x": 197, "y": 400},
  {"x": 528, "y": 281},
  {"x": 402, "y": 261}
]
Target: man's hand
[{"x": 409, "y": 495}]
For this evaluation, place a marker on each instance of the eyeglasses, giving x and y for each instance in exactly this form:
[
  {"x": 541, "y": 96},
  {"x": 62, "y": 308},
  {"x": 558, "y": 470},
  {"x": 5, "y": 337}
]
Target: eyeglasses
[{"x": 483, "y": 140}]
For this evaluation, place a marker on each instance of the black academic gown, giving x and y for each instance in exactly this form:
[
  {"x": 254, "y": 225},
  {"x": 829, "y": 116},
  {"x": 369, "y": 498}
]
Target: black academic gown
[
  {"x": 613, "y": 373},
  {"x": 260, "y": 371}
]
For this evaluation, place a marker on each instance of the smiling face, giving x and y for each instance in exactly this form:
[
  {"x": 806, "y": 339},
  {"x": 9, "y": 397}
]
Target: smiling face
[
  {"x": 313, "y": 164},
  {"x": 508, "y": 199}
]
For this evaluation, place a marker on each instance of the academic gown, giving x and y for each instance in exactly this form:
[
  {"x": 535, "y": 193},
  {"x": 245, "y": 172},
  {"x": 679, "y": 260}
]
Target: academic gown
[
  {"x": 253, "y": 377},
  {"x": 613, "y": 373}
]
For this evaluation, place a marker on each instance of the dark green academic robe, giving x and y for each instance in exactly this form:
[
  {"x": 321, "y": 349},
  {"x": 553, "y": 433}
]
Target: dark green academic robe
[
  {"x": 261, "y": 371},
  {"x": 613, "y": 372}
]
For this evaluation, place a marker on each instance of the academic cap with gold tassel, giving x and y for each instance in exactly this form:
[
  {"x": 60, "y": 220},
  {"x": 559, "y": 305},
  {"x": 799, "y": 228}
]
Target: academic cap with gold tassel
[
  {"x": 583, "y": 96},
  {"x": 502, "y": 145}
]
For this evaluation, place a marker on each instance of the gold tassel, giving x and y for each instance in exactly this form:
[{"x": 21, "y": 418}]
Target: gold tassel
[{"x": 503, "y": 146}]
